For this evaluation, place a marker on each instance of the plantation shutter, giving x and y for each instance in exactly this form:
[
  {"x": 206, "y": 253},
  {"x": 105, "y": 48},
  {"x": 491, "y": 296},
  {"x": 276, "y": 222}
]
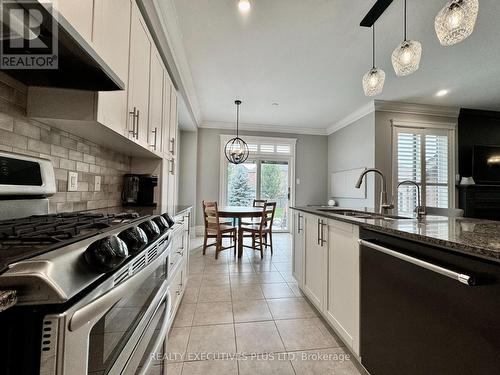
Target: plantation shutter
[{"x": 422, "y": 156}]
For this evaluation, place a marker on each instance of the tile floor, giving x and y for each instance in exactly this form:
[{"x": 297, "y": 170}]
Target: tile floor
[{"x": 248, "y": 316}]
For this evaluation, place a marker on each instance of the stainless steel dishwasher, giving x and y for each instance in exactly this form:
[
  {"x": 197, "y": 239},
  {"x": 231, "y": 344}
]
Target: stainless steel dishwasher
[{"x": 426, "y": 310}]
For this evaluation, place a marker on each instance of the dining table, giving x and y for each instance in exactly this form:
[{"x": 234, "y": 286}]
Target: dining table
[{"x": 238, "y": 213}]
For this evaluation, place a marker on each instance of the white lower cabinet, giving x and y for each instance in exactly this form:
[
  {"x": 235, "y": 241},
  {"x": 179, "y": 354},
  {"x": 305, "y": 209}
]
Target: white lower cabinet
[
  {"x": 315, "y": 267},
  {"x": 298, "y": 248},
  {"x": 342, "y": 301},
  {"x": 328, "y": 252}
]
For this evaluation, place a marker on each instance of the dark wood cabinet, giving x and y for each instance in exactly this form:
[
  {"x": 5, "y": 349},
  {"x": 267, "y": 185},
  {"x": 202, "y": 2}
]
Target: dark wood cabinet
[{"x": 480, "y": 201}]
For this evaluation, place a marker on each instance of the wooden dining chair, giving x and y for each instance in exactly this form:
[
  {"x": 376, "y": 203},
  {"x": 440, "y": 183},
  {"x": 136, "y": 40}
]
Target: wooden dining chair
[
  {"x": 260, "y": 231},
  {"x": 255, "y": 220},
  {"x": 215, "y": 229}
]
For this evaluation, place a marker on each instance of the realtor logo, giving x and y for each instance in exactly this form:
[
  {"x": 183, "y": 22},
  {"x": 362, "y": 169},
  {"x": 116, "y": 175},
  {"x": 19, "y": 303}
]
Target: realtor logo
[{"x": 28, "y": 35}]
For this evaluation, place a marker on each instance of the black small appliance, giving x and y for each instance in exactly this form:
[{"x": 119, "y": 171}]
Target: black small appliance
[{"x": 139, "y": 190}]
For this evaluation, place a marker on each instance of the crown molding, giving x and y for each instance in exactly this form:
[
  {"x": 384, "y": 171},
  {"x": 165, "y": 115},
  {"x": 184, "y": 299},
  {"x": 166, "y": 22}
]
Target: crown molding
[
  {"x": 416, "y": 109},
  {"x": 263, "y": 128},
  {"x": 352, "y": 117},
  {"x": 168, "y": 38}
]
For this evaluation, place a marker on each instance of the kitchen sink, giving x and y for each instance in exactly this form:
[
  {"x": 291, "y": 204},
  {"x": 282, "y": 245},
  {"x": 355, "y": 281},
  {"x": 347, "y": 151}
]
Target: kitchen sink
[{"x": 362, "y": 214}]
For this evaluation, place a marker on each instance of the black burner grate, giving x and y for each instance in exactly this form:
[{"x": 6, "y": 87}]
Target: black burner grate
[{"x": 34, "y": 235}]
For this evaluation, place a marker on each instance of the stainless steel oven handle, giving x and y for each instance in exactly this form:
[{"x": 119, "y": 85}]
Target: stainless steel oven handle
[
  {"x": 161, "y": 335},
  {"x": 103, "y": 303},
  {"x": 464, "y": 279}
]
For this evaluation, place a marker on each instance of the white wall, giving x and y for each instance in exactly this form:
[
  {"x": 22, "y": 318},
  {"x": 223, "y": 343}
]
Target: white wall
[
  {"x": 350, "y": 148},
  {"x": 311, "y": 166}
]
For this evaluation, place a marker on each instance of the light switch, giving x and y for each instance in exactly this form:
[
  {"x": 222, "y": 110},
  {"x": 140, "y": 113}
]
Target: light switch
[
  {"x": 72, "y": 181},
  {"x": 97, "y": 183}
]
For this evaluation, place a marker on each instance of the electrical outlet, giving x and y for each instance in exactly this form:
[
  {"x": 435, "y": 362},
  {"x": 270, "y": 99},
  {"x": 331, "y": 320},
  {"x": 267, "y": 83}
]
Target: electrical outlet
[
  {"x": 72, "y": 181},
  {"x": 97, "y": 183}
]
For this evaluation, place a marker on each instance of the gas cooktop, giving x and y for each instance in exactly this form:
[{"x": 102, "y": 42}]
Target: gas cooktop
[{"x": 35, "y": 235}]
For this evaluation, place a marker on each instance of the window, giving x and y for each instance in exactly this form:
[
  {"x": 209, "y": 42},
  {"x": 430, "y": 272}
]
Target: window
[
  {"x": 423, "y": 155},
  {"x": 267, "y": 174}
]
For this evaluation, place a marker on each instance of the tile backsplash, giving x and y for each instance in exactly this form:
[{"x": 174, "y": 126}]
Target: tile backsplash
[{"x": 66, "y": 151}]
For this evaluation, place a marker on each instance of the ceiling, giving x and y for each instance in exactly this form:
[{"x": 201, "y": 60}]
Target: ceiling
[{"x": 309, "y": 56}]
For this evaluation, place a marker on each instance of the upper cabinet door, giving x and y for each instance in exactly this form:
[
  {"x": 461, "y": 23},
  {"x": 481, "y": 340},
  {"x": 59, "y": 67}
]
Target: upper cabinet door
[
  {"x": 111, "y": 34},
  {"x": 139, "y": 70},
  {"x": 112, "y": 42},
  {"x": 156, "y": 101},
  {"x": 80, "y": 14},
  {"x": 167, "y": 93},
  {"x": 173, "y": 123}
]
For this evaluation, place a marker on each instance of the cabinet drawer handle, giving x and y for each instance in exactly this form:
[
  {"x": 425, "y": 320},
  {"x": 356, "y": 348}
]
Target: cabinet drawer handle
[
  {"x": 137, "y": 127},
  {"x": 464, "y": 279},
  {"x": 155, "y": 132},
  {"x": 299, "y": 229},
  {"x": 172, "y": 166},
  {"x": 133, "y": 114},
  {"x": 172, "y": 145}
]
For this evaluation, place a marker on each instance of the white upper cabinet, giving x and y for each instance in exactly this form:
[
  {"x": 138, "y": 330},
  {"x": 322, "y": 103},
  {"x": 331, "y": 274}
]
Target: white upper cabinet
[
  {"x": 342, "y": 303},
  {"x": 167, "y": 95},
  {"x": 139, "y": 73},
  {"x": 112, "y": 42},
  {"x": 174, "y": 125},
  {"x": 80, "y": 14},
  {"x": 111, "y": 34},
  {"x": 156, "y": 101}
]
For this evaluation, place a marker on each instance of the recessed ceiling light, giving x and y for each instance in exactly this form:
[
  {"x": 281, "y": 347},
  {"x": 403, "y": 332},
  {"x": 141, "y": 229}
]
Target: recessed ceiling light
[
  {"x": 442, "y": 93},
  {"x": 244, "y": 5}
]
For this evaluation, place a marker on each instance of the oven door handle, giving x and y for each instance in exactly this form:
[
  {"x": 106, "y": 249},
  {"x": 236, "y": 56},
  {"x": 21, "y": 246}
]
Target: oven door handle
[
  {"x": 464, "y": 279},
  {"x": 100, "y": 305},
  {"x": 161, "y": 335}
]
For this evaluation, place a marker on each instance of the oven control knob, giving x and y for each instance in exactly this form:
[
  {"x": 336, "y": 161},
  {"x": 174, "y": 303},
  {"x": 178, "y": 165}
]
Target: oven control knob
[
  {"x": 106, "y": 254},
  {"x": 151, "y": 229},
  {"x": 135, "y": 238},
  {"x": 161, "y": 223},
  {"x": 169, "y": 220}
]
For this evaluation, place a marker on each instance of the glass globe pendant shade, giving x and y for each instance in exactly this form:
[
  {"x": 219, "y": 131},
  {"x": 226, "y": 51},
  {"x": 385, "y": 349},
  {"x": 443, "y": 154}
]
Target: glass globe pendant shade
[
  {"x": 373, "y": 81},
  {"x": 406, "y": 57},
  {"x": 455, "y": 22},
  {"x": 236, "y": 151}
]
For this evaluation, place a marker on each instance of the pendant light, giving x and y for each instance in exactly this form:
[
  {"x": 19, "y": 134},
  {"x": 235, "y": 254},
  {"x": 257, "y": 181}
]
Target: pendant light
[
  {"x": 406, "y": 57},
  {"x": 455, "y": 22},
  {"x": 373, "y": 80},
  {"x": 244, "y": 5},
  {"x": 236, "y": 149}
]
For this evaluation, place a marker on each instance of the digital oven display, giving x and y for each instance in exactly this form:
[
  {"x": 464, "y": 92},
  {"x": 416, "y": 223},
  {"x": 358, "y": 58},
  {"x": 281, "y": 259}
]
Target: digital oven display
[{"x": 19, "y": 172}]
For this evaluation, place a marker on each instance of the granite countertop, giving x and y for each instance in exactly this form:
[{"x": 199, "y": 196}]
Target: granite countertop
[{"x": 480, "y": 238}]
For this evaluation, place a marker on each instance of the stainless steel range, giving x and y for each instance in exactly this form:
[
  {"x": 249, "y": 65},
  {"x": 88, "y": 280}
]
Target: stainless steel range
[{"x": 89, "y": 290}]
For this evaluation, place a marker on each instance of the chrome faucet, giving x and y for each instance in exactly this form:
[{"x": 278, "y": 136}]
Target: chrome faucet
[
  {"x": 420, "y": 210},
  {"x": 384, "y": 206}
]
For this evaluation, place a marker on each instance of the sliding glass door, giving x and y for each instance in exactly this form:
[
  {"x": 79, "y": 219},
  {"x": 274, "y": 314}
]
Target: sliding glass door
[
  {"x": 267, "y": 179},
  {"x": 275, "y": 187}
]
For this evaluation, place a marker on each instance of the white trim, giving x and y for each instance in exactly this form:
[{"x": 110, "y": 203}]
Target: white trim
[
  {"x": 352, "y": 117},
  {"x": 416, "y": 109},
  {"x": 263, "y": 128},
  {"x": 424, "y": 124},
  {"x": 264, "y": 140}
]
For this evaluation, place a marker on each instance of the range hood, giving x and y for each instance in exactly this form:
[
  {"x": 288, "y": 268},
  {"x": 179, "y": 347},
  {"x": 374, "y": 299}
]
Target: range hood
[{"x": 78, "y": 65}]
